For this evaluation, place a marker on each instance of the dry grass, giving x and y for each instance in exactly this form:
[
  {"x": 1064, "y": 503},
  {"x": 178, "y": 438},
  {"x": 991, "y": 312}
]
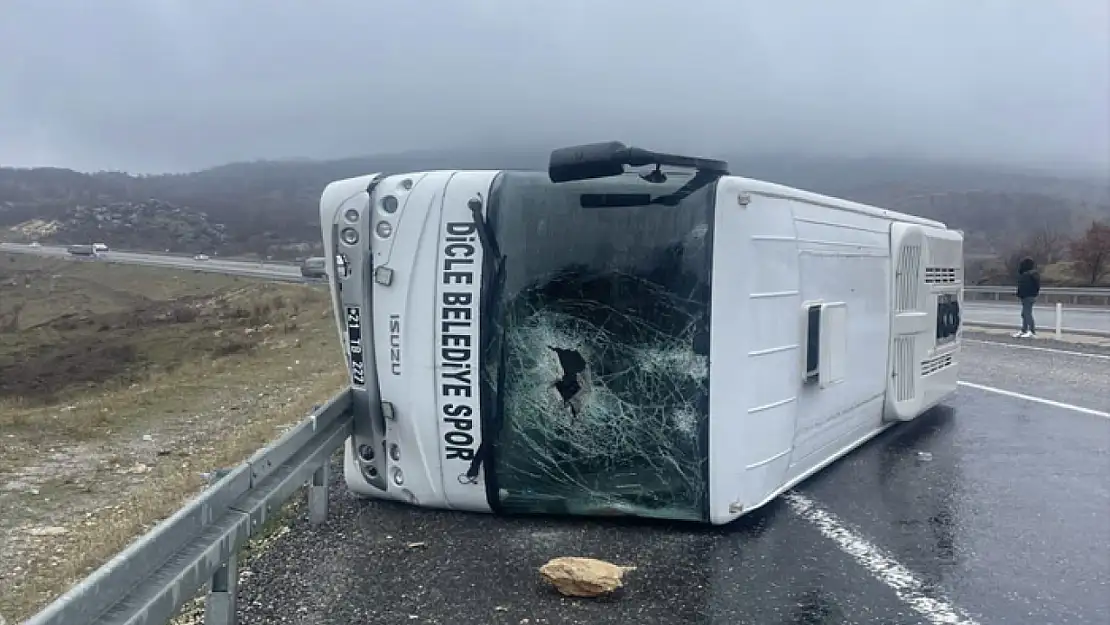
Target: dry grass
[{"x": 120, "y": 386}]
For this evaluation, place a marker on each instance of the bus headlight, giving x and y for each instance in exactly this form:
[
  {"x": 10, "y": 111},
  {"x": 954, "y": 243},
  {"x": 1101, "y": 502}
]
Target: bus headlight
[
  {"x": 349, "y": 236},
  {"x": 398, "y": 477},
  {"x": 389, "y": 204},
  {"x": 366, "y": 453},
  {"x": 351, "y": 215},
  {"x": 383, "y": 229}
]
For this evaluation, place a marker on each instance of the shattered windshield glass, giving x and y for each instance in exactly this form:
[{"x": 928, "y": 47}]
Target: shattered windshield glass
[{"x": 597, "y": 348}]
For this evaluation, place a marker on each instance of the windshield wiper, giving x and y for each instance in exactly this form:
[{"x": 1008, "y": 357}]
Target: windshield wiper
[
  {"x": 493, "y": 251},
  {"x": 485, "y": 234}
]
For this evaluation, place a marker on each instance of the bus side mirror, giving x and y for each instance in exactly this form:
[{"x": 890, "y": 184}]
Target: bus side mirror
[{"x": 583, "y": 162}]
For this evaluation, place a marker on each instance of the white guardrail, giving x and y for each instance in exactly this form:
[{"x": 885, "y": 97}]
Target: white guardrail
[
  {"x": 1092, "y": 296},
  {"x": 148, "y": 582},
  {"x": 1059, "y": 329},
  {"x": 1087, "y": 310}
]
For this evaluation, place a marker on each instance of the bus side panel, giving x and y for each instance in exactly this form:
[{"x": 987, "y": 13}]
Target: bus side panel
[
  {"x": 754, "y": 351},
  {"x": 844, "y": 259}
]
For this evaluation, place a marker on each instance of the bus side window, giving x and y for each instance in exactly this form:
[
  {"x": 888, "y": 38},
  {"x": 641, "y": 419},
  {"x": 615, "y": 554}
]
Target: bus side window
[{"x": 813, "y": 342}]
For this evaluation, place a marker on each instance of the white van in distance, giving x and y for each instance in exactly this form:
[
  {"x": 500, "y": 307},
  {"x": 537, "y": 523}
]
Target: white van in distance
[{"x": 629, "y": 333}]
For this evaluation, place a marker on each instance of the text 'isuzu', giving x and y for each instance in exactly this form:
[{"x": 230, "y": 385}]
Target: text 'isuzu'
[{"x": 628, "y": 333}]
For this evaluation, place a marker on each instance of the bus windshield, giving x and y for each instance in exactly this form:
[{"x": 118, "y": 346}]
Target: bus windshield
[{"x": 596, "y": 347}]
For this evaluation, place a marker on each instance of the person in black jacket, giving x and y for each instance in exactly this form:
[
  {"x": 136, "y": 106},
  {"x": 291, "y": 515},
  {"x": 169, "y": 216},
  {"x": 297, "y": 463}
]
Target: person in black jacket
[{"x": 1028, "y": 288}]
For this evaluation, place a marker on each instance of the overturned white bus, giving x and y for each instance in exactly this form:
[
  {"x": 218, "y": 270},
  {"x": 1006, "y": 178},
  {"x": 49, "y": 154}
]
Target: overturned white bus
[{"x": 629, "y": 333}]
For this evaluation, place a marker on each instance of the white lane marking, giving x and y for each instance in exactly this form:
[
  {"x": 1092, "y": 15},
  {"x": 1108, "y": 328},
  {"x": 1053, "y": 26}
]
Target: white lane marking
[
  {"x": 1039, "y": 400},
  {"x": 906, "y": 586},
  {"x": 1040, "y": 349}
]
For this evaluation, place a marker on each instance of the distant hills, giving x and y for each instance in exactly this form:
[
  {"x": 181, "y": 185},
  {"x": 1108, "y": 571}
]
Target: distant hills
[{"x": 270, "y": 207}]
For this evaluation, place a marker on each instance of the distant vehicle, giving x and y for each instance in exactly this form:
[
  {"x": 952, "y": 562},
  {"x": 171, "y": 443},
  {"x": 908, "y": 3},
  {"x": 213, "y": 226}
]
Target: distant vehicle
[
  {"x": 314, "y": 267},
  {"x": 100, "y": 247},
  {"x": 82, "y": 250},
  {"x": 36, "y": 244},
  {"x": 200, "y": 257}
]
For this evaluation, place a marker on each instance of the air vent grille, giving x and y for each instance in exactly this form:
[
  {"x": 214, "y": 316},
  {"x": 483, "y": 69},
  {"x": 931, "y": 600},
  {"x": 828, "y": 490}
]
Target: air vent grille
[
  {"x": 903, "y": 368},
  {"x": 931, "y": 366},
  {"x": 940, "y": 275},
  {"x": 906, "y": 288}
]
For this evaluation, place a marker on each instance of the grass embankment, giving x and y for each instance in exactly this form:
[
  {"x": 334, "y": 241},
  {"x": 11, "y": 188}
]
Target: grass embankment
[{"x": 120, "y": 386}]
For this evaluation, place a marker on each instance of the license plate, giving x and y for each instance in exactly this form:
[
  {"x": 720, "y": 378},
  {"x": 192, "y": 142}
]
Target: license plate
[{"x": 354, "y": 346}]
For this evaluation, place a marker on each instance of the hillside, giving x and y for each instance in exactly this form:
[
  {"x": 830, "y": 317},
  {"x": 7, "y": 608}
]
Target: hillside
[
  {"x": 269, "y": 207},
  {"x": 151, "y": 225}
]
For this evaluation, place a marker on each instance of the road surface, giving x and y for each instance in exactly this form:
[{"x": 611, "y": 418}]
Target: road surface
[
  {"x": 994, "y": 508},
  {"x": 990, "y": 510}
]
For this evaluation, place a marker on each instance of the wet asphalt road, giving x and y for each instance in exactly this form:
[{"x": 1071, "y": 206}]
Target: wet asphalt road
[{"x": 998, "y": 508}]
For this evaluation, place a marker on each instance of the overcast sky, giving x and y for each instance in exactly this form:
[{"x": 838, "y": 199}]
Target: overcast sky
[{"x": 173, "y": 85}]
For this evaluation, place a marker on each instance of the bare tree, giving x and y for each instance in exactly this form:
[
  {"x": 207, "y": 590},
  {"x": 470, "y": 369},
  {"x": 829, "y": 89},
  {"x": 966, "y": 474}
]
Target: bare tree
[
  {"x": 1047, "y": 245},
  {"x": 1092, "y": 252}
]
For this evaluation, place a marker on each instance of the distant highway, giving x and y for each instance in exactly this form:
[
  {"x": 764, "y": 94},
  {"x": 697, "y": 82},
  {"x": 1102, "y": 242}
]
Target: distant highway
[
  {"x": 1076, "y": 320},
  {"x": 271, "y": 271}
]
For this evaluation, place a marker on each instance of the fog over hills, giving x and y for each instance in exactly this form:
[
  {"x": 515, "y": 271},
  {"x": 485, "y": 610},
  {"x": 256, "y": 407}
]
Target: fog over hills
[{"x": 269, "y": 207}]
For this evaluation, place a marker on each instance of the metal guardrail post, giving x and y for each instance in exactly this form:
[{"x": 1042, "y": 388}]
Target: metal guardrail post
[
  {"x": 220, "y": 604},
  {"x": 1059, "y": 320},
  {"x": 318, "y": 496}
]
